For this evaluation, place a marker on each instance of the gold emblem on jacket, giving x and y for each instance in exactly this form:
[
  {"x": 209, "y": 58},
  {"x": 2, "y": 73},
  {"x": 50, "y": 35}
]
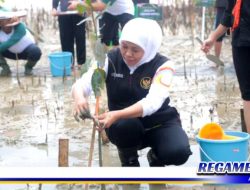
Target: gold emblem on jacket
[{"x": 145, "y": 82}]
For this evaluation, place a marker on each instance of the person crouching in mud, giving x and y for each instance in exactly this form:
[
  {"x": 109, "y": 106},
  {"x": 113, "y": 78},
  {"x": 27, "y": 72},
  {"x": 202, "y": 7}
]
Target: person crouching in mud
[
  {"x": 137, "y": 85},
  {"x": 16, "y": 42}
]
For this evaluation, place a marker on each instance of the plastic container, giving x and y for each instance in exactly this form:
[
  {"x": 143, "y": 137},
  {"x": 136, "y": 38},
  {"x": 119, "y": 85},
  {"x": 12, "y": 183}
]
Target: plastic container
[
  {"x": 225, "y": 150},
  {"x": 60, "y": 63}
]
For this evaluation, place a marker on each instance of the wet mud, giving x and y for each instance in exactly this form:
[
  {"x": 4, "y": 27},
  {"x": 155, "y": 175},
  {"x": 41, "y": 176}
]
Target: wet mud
[{"x": 36, "y": 111}]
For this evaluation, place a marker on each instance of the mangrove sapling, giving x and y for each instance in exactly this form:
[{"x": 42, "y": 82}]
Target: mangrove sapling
[
  {"x": 185, "y": 70},
  {"x": 47, "y": 109},
  {"x": 55, "y": 114},
  {"x": 97, "y": 79},
  {"x": 12, "y": 104},
  {"x": 27, "y": 87},
  {"x": 32, "y": 80},
  {"x": 39, "y": 80},
  {"x": 64, "y": 75},
  {"x": 17, "y": 72}
]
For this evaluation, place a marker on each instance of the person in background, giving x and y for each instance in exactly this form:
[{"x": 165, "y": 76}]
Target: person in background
[
  {"x": 116, "y": 14},
  {"x": 70, "y": 33},
  {"x": 220, "y": 6},
  {"x": 137, "y": 83},
  {"x": 237, "y": 16},
  {"x": 16, "y": 42}
]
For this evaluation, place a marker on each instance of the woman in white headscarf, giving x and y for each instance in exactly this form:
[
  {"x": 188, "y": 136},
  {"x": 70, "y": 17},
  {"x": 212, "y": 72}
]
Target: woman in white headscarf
[{"x": 137, "y": 82}]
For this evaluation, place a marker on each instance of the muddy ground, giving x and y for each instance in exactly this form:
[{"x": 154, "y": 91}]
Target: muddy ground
[{"x": 36, "y": 111}]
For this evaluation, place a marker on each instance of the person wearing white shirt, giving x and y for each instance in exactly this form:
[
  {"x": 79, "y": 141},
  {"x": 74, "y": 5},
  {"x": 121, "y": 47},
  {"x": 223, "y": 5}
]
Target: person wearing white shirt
[
  {"x": 137, "y": 81},
  {"x": 116, "y": 14},
  {"x": 16, "y": 42}
]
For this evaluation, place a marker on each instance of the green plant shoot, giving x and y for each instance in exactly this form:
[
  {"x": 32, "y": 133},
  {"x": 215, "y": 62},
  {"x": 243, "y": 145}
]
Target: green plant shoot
[{"x": 98, "y": 81}]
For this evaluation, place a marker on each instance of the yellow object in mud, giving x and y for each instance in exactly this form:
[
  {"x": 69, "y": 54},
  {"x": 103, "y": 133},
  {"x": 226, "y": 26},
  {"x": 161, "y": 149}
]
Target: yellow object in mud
[{"x": 215, "y": 132}]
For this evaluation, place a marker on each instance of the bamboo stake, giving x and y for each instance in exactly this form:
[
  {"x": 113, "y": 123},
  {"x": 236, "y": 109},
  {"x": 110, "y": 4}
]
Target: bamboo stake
[
  {"x": 63, "y": 153},
  {"x": 92, "y": 143},
  {"x": 91, "y": 149},
  {"x": 93, "y": 134},
  {"x": 243, "y": 123},
  {"x": 97, "y": 109}
]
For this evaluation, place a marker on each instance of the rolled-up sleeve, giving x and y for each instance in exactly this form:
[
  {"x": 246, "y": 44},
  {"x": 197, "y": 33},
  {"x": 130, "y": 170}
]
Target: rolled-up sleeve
[
  {"x": 159, "y": 89},
  {"x": 85, "y": 81}
]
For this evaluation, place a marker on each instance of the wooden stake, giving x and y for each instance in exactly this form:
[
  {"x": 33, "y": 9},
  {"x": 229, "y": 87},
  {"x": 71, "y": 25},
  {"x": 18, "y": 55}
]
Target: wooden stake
[
  {"x": 63, "y": 153},
  {"x": 243, "y": 123},
  {"x": 91, "y": 149},
  {"x": 92, "y": 143}
]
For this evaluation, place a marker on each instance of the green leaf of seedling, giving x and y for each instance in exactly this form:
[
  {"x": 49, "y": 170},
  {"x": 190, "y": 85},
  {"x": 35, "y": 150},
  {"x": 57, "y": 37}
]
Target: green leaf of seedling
[
  {"x": 80, "y": 8},
  {"x": 98, "y": 81}
]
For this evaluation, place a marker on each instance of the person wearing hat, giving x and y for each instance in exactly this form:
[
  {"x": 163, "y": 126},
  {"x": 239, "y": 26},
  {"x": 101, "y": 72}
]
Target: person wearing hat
[
  {"x": 137, "y": 83},
  {"x": 16, "y": 42}
]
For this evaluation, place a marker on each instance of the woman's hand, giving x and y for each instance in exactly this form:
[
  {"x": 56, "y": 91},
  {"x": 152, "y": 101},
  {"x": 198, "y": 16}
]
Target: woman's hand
[
  {"x": 207, "y": 45},
  {"x": 81, "y": 106},
  {"x": 107, "y": 119},
  {"x": 15, "y": 19}
]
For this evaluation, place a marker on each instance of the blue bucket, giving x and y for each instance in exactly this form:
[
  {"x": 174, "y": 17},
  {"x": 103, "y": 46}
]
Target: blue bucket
[
  {"x": 60, "y": 63},
  {"x": 224, "y": 150}
]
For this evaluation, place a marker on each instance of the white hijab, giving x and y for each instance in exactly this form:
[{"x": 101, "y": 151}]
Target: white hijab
[{"x": 145, "y": 33}]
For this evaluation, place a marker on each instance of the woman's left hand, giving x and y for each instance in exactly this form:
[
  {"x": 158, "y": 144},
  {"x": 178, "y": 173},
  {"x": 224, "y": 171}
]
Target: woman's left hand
[{"x": 107, "y": 119}]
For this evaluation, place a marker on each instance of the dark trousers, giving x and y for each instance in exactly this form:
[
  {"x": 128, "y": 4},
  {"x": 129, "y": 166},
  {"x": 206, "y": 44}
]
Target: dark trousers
[
  {"x": 31, "y": 53},
  {"x": 109, "y": 25},
  {"x": 241, "y": 57},
  {"x": 71, "y": 34},
  {"x": 169, "y": 142}
]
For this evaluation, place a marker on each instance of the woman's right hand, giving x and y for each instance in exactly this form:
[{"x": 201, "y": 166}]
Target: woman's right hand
[
  {"x": 81, "y": 105},
  {"x": 207, "y": 45}
]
